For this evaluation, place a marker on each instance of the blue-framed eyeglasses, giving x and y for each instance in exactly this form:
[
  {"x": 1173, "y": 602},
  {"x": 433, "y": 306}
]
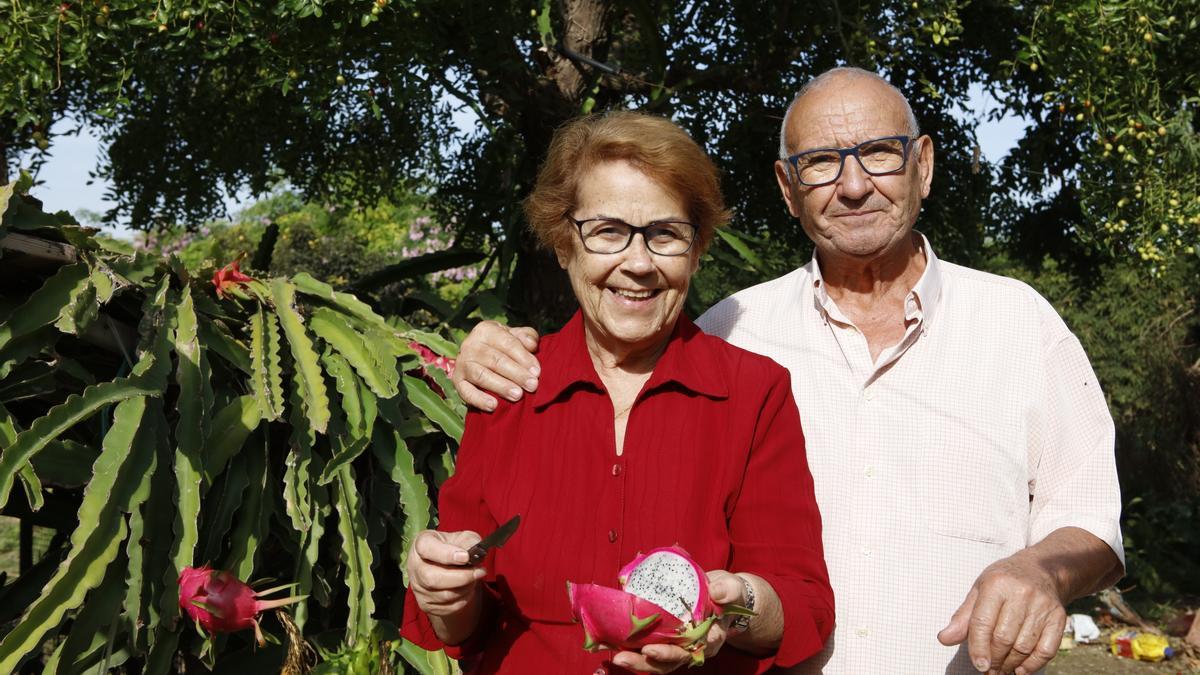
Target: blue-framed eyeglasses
[
  {"x": 610, "y": 235},
  {"x": 878, "y": 157}
]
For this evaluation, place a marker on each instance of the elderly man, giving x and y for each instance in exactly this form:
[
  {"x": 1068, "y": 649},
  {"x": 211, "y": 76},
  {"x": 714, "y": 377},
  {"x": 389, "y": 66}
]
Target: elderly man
[{"x": 960, "y": 444}]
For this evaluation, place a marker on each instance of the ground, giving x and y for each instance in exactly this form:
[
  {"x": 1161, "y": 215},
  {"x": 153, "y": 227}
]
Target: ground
[
  {"x": 9, "y": 544},
  {"x": 1096, "y": 659}
]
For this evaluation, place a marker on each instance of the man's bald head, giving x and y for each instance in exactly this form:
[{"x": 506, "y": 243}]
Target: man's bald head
[{"x": 836, "y": 76}]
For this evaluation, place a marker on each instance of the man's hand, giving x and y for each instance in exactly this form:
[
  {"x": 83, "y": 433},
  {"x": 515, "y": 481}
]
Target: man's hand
[
  {"x": 1012, "y": 618},
  {"x": 498, "y": 359},
  {"x": 724, "y": 588}
]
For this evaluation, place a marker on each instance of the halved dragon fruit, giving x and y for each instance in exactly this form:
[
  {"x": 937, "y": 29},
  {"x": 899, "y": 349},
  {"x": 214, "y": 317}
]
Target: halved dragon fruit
[{"x": 663, "y": 599}]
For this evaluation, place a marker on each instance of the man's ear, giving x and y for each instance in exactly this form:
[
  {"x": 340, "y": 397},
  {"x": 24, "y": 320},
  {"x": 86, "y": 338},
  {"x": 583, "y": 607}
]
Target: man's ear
[
  {"x": 785, "y": 187},
  {"x": 925, "y": 162}
]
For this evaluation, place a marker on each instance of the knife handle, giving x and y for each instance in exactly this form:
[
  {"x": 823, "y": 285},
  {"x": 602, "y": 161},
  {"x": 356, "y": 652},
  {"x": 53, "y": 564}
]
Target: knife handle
[{"x": 476, "y": 554}]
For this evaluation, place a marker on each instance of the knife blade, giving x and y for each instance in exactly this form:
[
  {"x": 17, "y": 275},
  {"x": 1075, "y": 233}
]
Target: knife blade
[{"x": 494, "y": 540}]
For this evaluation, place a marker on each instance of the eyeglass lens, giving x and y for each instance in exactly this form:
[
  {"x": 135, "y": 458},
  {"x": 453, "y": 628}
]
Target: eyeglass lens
[
  {"x": 876, "y": 157},
  {"x": 612, "y": 236}
]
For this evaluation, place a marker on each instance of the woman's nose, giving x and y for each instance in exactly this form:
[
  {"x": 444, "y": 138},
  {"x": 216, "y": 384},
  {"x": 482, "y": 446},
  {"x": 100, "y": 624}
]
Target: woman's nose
[{"x": 637, "y": 255}]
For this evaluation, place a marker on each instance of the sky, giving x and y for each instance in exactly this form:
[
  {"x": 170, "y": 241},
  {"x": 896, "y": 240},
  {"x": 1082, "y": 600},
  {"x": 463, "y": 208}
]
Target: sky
[{"x": 72, "y": 157}]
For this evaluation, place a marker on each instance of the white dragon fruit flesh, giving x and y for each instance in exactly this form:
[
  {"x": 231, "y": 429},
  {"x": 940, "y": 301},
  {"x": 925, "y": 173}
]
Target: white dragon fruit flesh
[{"x": 663, "y": 599}]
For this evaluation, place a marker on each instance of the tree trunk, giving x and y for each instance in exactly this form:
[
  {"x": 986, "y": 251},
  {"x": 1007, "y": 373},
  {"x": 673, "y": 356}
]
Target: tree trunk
[
  {"x": 541, "y": 293},
  {"x": 583, "y": 27}
]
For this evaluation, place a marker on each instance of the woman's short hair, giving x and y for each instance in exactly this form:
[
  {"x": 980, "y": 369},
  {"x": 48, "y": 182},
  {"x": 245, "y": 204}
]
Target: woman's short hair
[{"x": 654, "y": 145}]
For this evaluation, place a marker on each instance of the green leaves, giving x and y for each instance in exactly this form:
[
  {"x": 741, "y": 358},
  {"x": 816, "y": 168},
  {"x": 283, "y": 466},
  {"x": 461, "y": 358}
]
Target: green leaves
[
  {"x": 307, "y": 370},
  {"x": 201, "y": 462},
  {"x": 396, "y": 459},
  {"x": 123, "y": 462},
  {"x": 434, "y": 407},
  {"x": 356, "y": 554},
  {"x": 51, "y": 303},
  {"x": 373, "y": 363},
  {"x": 230, "y": 428},
  {"x": 62, "y": 417},
  {"x": 267, "y": 373},
  {"x": 189, "y": 437}
]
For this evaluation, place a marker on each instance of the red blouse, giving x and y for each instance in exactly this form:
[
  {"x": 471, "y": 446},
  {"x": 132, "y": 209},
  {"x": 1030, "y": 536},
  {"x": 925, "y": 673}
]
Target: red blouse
[{"x": 713, "y": 460}]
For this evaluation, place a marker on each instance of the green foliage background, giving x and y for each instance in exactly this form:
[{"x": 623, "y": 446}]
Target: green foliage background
[{"x": 155, "y": 419}]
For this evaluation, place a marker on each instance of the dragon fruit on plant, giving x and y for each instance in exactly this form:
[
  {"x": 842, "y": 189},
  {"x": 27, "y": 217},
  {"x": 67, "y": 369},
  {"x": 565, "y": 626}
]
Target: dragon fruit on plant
[
  {"x": 432, "y": 358},
  {"x": 220, "y": 603},
  {"x": 663, "y": 599}
]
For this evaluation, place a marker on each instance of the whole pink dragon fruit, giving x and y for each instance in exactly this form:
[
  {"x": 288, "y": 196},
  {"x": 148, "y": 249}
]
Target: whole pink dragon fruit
[
  {"x": 663, "y": 599},
  {"x": 220, "y": 603}
]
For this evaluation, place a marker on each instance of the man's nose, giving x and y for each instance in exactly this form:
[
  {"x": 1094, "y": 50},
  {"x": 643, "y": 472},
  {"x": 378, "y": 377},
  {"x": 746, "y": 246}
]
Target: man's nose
[{"x": 854, "y": 183}]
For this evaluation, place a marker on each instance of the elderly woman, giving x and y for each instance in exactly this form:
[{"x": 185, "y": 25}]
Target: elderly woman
[{"x": 643, "y": 433}]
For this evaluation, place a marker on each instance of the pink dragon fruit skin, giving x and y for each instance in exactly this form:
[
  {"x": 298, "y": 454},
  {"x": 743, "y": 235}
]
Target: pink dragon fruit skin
[
  {"x": 614, "y": 619},
  {"x": 617, "y": 619},
  {"x": 220, "y": 603}
]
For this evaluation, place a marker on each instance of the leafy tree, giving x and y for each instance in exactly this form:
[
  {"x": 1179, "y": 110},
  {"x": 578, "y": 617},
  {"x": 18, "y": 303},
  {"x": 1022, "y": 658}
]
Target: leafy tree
[
  {"x": 1112, "y": 159},
  {"x": 351, "y": 100}
]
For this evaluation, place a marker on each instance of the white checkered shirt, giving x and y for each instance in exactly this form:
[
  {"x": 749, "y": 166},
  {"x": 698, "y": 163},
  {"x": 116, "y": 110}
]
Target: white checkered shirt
[{"x": 982, "y": 431}]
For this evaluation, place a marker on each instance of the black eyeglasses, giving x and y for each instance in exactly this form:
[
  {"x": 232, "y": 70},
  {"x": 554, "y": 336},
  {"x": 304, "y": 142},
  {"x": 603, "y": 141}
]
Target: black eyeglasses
[
  {"x": 878, "y": 157},
  {"x": 610, "y": 235}
]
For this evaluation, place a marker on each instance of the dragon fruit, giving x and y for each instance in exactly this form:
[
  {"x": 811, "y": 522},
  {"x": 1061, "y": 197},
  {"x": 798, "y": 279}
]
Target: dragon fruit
[
  {"x": 663, "y": 599},
  {"x": 432, "y": 358},
  {"x": 220, "y": 603}
]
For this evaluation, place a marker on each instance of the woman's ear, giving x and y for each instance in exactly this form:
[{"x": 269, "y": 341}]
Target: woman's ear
[{"x": 563, "y": 253}]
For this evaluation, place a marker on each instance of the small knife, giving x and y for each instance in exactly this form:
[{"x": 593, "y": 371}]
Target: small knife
[{"x": 497, "y": 538}]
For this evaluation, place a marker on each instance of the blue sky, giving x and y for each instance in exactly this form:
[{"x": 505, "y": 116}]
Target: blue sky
[{"x": 65, "y": 173}]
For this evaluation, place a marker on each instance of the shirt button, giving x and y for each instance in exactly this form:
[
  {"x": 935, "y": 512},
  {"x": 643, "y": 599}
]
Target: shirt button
[
  {"x": 862, "y": 632},
  {"x": 868, "y": 393},
  {"x": 866, "y": 551},
  {"x": 616, "y": 469},
  {"x": 870, "y": 472},
  {"x": 612, "y": 535}
]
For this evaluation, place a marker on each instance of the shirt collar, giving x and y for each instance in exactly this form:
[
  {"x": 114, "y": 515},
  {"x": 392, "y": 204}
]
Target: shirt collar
[
  {"x": 924, "y": 298},
  {"x": 921, "y": 302},
  {"x": 690, "y": 360}
]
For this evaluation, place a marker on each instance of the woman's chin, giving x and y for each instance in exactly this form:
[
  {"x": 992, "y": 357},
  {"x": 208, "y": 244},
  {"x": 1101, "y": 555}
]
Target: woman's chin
[{"x": 641, "y": 329}]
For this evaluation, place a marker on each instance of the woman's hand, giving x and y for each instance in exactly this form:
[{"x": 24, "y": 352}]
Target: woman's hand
[
  {"x": 724, "y": 588},
  {"x": 445, "y": 586}
]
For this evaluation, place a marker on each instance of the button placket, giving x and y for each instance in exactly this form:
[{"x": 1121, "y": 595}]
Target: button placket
[{"x": 617, "y": 471}]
